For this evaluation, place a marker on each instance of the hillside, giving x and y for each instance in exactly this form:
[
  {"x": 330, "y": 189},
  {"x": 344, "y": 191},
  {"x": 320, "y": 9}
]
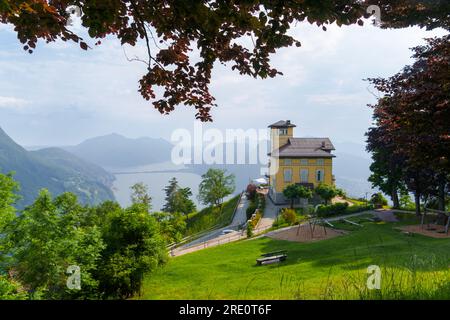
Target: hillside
[
  {"x": 210, "y": 217},
  {"x": 414, "y": 268},
  {"x": 54, "y": 169},
  {"x": 116, "y": 151}
]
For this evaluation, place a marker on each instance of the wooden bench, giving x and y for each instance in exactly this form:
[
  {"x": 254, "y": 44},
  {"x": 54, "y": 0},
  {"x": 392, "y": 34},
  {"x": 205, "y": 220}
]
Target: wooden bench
[
  {"x": 271, "y": 259},
  {"x": 270, "y": 254}
]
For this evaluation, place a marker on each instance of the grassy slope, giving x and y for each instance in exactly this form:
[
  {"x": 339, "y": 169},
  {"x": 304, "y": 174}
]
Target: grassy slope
[
  {"x": 333, "y": 268},
  {"x": 210, "y": 217}
]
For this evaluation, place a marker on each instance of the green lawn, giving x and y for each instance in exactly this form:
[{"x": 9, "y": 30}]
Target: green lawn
[{"x": 412, "y": 267}]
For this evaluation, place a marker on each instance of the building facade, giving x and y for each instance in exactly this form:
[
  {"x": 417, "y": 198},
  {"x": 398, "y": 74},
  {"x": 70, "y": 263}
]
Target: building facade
[{"x": 304, "y": 161}]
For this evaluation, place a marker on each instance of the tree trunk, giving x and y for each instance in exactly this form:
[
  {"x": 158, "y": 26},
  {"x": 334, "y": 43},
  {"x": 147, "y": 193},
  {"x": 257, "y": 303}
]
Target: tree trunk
[
  {"x": 292, "y": 203},
  {"x": 417, "y": 202},
  {"x": 394, "y": 197},
  {"x": 441, "y": 197}
]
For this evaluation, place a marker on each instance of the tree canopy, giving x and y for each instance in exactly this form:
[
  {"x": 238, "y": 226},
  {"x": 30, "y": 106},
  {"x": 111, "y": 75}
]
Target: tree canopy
[
  {"x": 295, "y": 191},
  {"x": 112, "y": 247},
  {"x": 326, "y": 192},
  {"x": 184, "y": 39},
  {"x": 215, "y": 186},
  {"x": 178, "y": 199},
  {"x": 410, "y": 141}
]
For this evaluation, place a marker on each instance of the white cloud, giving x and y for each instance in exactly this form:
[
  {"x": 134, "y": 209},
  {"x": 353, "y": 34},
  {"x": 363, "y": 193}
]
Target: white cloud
[
  {"x": 337, "y": 98},
  {"x": 13, "y": 103},
  {"x": 62, "y": 93}
]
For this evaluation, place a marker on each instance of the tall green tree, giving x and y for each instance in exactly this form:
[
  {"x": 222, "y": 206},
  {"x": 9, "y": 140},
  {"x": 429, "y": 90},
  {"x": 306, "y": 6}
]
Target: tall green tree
[
  {"x": 140, "y": 196},
  {"x": 181, "y": 201},
  {"x": 295, "y": 191},
  {"x": 178, "y": 199},
  {"x": 411, "y": 122},
  {"x": 8, "y": 197},
  {"x": 169, "y": 190},
  {"x": 326, "y": 192},
  {"x": 10, "y": 289},
  {"x": 215, "y": 186},
  {"x": 134, "y": 247},
  {"x": 48, "y": 237},
  {"x": 387, "y": 167}
]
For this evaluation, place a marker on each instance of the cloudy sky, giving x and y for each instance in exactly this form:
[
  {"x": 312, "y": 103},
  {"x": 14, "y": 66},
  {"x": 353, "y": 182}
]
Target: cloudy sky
[{"x": 62, "y": 95}]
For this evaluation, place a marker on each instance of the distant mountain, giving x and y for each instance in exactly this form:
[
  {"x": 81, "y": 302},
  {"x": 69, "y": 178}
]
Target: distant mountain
[
  {"x": 116, "y": 151},
  {"x": 54, "y": 169},
  {"x": 352, "y": 172}
]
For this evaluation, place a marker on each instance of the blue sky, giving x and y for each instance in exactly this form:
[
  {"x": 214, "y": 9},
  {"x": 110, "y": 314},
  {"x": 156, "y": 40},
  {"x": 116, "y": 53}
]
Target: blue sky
[{"x": 62, "y": 95}]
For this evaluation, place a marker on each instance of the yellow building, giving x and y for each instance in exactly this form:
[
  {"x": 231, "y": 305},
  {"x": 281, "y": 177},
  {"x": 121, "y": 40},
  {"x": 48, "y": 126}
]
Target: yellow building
[{"x": 304, "y": 161}]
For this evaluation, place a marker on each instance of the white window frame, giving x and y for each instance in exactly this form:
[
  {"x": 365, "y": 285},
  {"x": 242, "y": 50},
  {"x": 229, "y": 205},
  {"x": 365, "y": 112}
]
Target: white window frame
[
  {"x": 283, "y": 132},
  {"x": 304, "y": 162},
  {"x": 304, "y": 172},
  {"x": 290, "y": 175},
  {"x": 320, "y": 162},
  {"x": 287, "y": 162}
]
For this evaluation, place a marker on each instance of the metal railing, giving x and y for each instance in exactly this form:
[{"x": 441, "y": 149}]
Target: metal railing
[
  {"x": 445, "y": 213},
  {"x": 216, "y": 242}
]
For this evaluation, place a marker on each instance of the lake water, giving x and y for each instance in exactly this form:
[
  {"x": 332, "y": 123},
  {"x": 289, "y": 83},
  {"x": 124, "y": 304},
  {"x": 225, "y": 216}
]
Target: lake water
[{"x": 156, "y": 177}]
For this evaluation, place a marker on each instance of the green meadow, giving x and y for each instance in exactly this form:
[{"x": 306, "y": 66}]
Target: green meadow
[{"x": 412, "y": 267}]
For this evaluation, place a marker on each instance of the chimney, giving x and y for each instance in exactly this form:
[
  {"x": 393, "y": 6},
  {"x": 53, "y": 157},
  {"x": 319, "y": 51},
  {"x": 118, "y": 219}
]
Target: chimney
[
  {"x": 288, "y": 122},
  {"x": 323, "y": 144}
]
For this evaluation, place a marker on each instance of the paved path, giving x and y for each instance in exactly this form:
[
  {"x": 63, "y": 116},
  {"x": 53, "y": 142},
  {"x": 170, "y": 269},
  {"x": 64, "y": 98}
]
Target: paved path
[
  {"x": 216, "y": 236},
  {"x": 270, "y": 215}
]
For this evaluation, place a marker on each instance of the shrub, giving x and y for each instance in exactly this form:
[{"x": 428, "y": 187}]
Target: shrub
[
  {"x": 251, "y": 209},
  {"x": 359, "y": 208},
  {"x": 256, "y": 219},
  {"x": 289, "y": 215},
  {"x": 332, "y": 210},
  {"x": 251, "y": 191},
  {"x": 261, "y": 202},
  {"x": 378, "y": 200},
  {"x": 340, "y": 209},
  {"x": 249, "y": 230},
  {"x": 279, "y": 223}
]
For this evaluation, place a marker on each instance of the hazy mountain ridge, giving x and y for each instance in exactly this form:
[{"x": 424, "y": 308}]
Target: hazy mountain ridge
[
  {"x": 53, "y": 169},
  {"x": 113, "y": 152},
  {"x": 116, "y": 151}
]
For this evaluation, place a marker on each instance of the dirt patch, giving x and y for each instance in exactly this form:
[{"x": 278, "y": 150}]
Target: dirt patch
[
  {"x": 436, "y": 233},
  {"x": 303, "y": 234}
]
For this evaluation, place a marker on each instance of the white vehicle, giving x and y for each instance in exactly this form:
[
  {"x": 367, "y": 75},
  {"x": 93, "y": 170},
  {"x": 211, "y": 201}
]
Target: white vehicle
[{"x": 227, "y": 231}]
